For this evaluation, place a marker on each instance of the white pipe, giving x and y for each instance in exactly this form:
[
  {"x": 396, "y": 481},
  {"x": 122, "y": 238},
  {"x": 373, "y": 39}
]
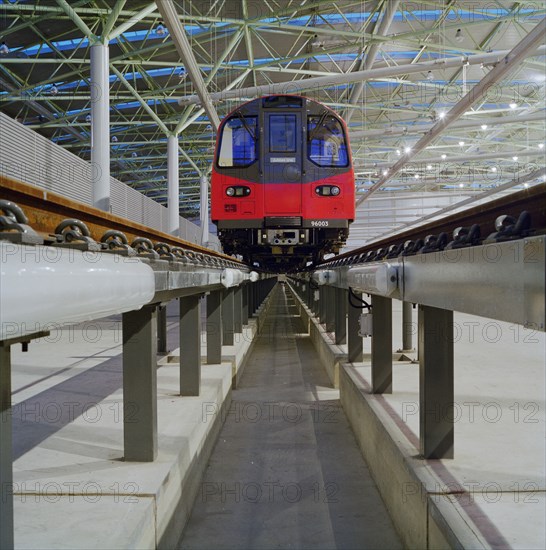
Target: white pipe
[
  {"x": 43, "y": 287},
  {"x": 232, "y": 277}
]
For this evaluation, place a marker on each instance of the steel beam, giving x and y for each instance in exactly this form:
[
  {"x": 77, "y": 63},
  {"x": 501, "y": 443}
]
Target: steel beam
[
  {"x": 382, "y": 28},
  {"x": 510, "y": 62},
  {"x": 178, "y": 34},
  {"x": 338, "y": 79}
]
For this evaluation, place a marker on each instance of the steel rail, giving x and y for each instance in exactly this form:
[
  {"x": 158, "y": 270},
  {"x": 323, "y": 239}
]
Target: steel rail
[
  {"x": 532, "y": 200},
  {"x": 46, "y": 210}
]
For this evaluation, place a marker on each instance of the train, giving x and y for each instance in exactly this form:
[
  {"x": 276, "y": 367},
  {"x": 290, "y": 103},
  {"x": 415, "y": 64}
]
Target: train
[{"x": 282, "y": 183}]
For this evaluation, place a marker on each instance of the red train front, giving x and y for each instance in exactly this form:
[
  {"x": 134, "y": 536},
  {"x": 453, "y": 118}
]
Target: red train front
[{"x": 282, "y": 182}]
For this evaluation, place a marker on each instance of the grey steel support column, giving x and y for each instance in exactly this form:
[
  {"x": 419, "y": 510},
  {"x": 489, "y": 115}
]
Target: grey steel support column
[
  {"x": 407, "y": 327},
  {"x": 140, "y": 384},
  {"x": 250, "y": 298},
  {"x": 322, "y": 305},
  {"x": 228, "y": 320},
  {"x": 382, "y": 345},
  {"x": 256, "y": 296},
  {"x": 214, "y": 327},
  {"x": 315, "y": 301},
  {"x": 341, "y": 315},
  {"x": 100, "y": 126},
  {"x": 244, "y": 292},
  {"x": 354, "y": 340},
  {"x": 436, "y": 387},
  {"x": 6, "y": 459},
  {"x": 238, "y": 310},
  {"x": 190, "y": 346},
  {"x": 162, "y": 329},
  {"x": 330, "y": 309},
  {"x": 173, "y": 189}
]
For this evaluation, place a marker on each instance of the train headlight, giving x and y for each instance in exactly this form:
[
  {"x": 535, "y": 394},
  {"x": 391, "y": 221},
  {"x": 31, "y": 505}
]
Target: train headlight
[
  {"x": 327, "y": 191},
  {"x": 238, "y": 191}
]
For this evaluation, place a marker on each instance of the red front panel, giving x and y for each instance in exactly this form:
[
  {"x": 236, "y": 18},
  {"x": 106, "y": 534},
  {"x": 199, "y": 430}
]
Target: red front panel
[
  {"x": 282, "y": 199},
  {"x": 324, "y": 208},
  {"x": 235, "y": 208}
]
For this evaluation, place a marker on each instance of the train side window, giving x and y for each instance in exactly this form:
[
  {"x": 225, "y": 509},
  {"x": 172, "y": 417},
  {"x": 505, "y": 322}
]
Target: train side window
[
  {"x": 238, "y": 142},
  {"x": 326, "y": 144},
  {"x": 282, "y": 133}
]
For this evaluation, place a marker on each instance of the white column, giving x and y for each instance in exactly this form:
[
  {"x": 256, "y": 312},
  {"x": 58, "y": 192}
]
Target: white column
[
  {"x": 173, "y": 192},
  {"x": 100, "y": 126},
  {"x": 204, "y": 213}
]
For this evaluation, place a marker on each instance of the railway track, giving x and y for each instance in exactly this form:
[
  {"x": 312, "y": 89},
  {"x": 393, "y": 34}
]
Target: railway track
[
  {"x": 511, "y": 217},
  {"x": 55, "y": 219}
]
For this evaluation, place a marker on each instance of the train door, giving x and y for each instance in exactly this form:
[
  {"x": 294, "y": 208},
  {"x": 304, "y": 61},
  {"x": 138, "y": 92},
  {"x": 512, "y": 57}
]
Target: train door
[{"x": 282, "y": 162}]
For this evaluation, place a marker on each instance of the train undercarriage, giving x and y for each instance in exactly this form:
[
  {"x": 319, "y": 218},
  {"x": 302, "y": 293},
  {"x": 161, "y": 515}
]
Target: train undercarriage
[{"x": 282, "y": 249}]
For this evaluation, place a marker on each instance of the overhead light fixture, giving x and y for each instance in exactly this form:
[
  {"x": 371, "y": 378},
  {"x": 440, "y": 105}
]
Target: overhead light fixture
[
  {"x": 134, "y": 154},
  {"x": 114, "y": 139},
  {"x": 416, "y": 176},
  {"x": 407, "y": 149},
  {"x": 444, "y": 155},
  {"x": 541, "y": 145},
  {"x": 513, "y": 105},
  {"x": 53, "y": 90},
  {"x": 459, "y": 35},
  {"x": 429, "y": 166},
  {"x": 461, "y": 143},
  {"x": 398, "y": 152},
  {"x": 161, "y": 30},
  {"x": 526, "y": 185},
  {"x": 494, "y": 169},
  {"x": 461, "y": 184},
  {"x": 4, "y": 50},
  {"x": 316, "y": 43},
  {"x": 441, "y": 114},
  {"x": 484, "y": 126},
  {"x": 385, "y": 172},
  {"x": 514, "y": 158},
  {"x": 88, "y": 118},
  {"x": 430, "y": 75}
]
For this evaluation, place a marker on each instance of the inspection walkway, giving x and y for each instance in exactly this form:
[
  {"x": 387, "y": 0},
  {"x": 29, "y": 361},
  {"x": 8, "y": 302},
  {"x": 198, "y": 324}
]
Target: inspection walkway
[{"x": 286, "y": 471}]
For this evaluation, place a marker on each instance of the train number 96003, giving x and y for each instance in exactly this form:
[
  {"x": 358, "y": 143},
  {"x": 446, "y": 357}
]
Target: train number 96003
[{"x": 319, "y": 223}]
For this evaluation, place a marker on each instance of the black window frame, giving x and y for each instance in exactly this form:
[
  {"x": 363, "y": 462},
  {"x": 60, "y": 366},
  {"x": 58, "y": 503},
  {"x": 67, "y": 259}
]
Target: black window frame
[
  {"x": 244, "y": 119},
  {"x": 345, "y": 142}
]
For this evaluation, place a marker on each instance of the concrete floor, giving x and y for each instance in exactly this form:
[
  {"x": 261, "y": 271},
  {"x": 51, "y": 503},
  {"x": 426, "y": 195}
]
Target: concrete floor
[{"x": 286, "y": 471}]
